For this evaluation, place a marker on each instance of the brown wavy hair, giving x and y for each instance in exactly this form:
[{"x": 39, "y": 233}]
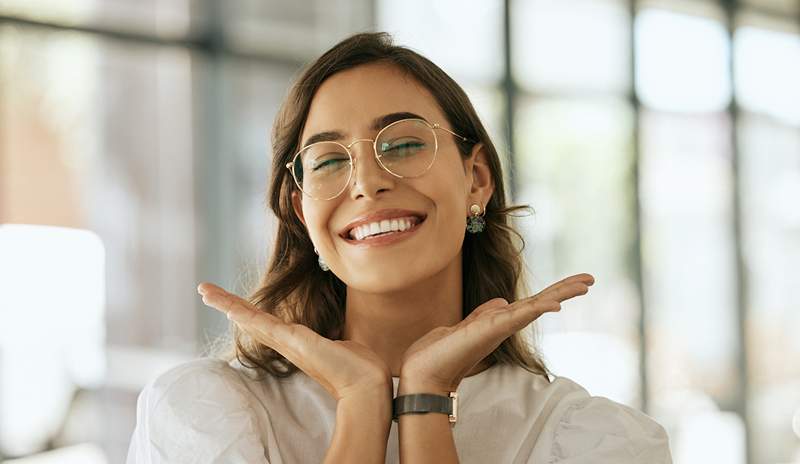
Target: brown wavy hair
[{"x": 296, "y": 289}]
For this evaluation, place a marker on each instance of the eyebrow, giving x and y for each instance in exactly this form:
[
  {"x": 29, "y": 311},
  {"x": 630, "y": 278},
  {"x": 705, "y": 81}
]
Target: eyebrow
[{"x": 377, "y": 124}]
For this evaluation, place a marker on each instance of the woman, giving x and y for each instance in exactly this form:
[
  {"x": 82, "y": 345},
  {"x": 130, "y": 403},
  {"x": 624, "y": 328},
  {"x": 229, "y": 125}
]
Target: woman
[{"x": 388, "y": 327}]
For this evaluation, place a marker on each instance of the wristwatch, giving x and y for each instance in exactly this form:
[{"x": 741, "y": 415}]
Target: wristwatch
[{"x": 422, "y": 403}]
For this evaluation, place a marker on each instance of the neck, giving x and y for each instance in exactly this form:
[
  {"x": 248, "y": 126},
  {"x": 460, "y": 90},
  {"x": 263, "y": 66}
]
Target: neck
[{"x": 388, "y": 323}]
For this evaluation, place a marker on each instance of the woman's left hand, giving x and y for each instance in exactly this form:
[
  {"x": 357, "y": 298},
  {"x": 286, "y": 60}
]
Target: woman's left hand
[{"x": 437, "y": 362}]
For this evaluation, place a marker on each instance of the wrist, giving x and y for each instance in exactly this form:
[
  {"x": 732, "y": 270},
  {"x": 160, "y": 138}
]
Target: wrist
[
  {"x": 412, "y": 385},
  {"x": 365, "y": 419},
  {"x": 375, "y": 404},
  {"x": 416, "y": 398}
]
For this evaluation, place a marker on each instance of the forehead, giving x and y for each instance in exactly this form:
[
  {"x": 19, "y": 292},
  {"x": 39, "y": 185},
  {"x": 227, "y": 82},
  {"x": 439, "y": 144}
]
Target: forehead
[{"x": 350, "y": 100}]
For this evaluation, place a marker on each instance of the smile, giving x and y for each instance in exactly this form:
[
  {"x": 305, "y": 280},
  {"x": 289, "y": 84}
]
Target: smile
[{"x": 386, "y": 238}]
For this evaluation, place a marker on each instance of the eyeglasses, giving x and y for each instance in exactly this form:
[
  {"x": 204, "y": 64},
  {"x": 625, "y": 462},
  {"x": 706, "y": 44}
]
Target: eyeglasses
[{"x": 406, "y": 148}]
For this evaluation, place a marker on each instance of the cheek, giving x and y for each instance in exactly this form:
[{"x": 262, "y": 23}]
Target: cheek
[
  {"x": 448, "y": 197},
  {"x": 318, "y": 219},
  {"x": 453, "y": 222}
]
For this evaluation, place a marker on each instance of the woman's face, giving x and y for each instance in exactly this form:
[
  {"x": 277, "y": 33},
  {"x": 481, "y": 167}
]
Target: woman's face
[{"x": 348, "y": 102}]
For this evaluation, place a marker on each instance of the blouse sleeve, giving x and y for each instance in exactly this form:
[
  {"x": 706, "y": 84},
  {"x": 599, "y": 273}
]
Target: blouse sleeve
[
  {"x": 196, "y": 412},
  {"x": 598, "y": 430}
]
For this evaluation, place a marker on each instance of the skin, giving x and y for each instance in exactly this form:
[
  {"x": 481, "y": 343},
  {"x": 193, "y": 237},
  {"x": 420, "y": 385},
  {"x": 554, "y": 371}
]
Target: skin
[{"x": 404, "y": 318}]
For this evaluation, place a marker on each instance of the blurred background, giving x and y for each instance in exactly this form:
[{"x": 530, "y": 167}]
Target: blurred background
[{"x": 657, "y": 141}]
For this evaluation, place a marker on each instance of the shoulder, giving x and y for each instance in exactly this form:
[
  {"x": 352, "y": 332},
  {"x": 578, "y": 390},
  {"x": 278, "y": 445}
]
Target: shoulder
[
  {"x": 582, "y": 428},
  {"x": 202, "y": 378},
  {"x": 196, "y": 387},
  {"x": 197, "y": 408},
  {"x": 200, "y": 368}
]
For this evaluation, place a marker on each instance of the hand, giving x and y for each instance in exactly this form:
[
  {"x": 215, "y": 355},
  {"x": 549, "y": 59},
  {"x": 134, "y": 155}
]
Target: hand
[
  {"x": 344, "y": 368},
  {"x": 438, "y": 361}
]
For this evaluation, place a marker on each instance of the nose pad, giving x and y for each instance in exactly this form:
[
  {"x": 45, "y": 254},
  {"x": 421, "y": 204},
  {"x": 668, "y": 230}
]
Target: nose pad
[
  {"x": 369, "y": 152},
  {"x": 369, "y": 179}
]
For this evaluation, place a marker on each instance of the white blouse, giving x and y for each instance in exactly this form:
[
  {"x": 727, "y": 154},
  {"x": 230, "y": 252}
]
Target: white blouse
[{"x": 211, "y": 411}]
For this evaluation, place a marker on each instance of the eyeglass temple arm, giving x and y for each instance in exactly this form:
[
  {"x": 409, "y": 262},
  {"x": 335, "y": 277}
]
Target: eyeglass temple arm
[{"x": 437, "y": 126}]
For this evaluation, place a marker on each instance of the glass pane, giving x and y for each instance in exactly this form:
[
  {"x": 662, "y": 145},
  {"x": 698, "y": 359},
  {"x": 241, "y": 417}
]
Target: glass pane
[
  {"x": 160, "y": 18},
  {"x": 681, "y": 62},
  {"x": 770, "y": 174},
  {"x": 788, "y": 8},
  {"x": 53, "y": 340},
  {"x": 581, "y": 45},
  {"x": 463, "y": 37},
  {"x": 767, "y": 73},
  {"x": 488, "y": 102},
  {"x": 290, "y": 31},
  {"x": 252, "y": 93},
  {"x": 98, "y": 135},
  {"x": 573, "y": 161},
  {"x": 688, "y": 270},
  {"x": 490, "y": 105}
]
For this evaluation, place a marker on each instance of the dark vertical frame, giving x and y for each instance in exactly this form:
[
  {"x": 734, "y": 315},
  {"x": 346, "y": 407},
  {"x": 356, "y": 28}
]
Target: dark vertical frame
[
  {"x": 636, "y": 258},
  {"x": 509, "y": 88},
  {"x": 740, "y": 406},
  {"x": 212, "y": 172}
]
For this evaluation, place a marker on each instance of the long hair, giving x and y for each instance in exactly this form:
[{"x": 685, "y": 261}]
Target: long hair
[{"x": 297, "y": 290}]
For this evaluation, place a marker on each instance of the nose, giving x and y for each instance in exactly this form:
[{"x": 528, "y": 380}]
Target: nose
[{"x": 369, "y": 177}]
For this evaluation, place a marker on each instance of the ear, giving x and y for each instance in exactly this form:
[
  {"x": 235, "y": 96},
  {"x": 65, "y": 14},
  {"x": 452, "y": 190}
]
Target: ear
[
  {"x": 479, "y": 180},
  {"x": 297, "y": 205}
]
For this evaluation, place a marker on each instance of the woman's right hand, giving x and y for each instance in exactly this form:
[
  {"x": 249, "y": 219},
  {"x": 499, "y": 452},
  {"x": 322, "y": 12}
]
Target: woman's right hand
[{"x": 344, "y": 368}]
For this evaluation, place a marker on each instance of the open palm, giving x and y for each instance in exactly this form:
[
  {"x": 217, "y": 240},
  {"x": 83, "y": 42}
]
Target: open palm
[
  {"x": 343, "y": 367},
  {"x": 445, "y": 355}
]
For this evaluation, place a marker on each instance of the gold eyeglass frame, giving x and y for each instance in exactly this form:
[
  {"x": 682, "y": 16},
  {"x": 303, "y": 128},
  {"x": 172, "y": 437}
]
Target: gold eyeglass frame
[{"x": 433, "y": 127}]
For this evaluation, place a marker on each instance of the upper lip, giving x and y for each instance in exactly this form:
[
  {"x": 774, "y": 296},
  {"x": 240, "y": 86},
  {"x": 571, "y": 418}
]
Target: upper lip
[{"x": 376, "y": 216}]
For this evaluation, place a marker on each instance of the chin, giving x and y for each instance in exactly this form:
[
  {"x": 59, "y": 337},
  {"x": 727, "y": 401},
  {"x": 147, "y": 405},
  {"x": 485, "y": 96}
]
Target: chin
[{"x": 383, "y": 281}]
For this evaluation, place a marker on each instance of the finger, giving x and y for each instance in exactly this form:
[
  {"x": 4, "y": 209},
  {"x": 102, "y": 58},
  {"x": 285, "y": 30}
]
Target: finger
[
  {"x": 216, "y": 297},
  {"x": 206, "y": 287},
  {"x": 566, "y": 292},
  {"x": 509, "y": 322},
  {"x": 235, "y": 308},
  {"x": 485, "y": 307},
  {"x": 556, "y": 295},
  {"x": 585, "y": 279},
  {"x": 267, "y": 328},
  {"x": 523, "y": 312}
]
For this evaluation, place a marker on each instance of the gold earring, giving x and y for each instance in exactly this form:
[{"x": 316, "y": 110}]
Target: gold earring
[{"x": 475, "y": 222}]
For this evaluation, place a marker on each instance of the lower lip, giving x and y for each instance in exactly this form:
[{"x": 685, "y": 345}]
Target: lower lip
[{"x": 385, "y": 239}]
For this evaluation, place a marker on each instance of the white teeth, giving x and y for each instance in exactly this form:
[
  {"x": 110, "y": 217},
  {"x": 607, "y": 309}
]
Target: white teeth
[{"x": 386, "y": 225}]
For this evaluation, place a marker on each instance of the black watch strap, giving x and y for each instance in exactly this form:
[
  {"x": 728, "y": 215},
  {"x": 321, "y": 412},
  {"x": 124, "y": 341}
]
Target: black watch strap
[{"x": 422, "y": 403}]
